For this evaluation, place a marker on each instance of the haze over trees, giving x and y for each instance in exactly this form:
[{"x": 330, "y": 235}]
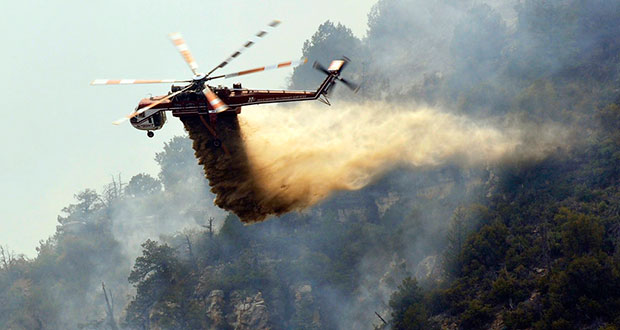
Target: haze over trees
[{"x": 520, "y": 244}]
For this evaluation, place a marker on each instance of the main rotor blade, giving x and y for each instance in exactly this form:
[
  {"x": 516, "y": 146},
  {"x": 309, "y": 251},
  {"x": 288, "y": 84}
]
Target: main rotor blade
[
  {"x": 262, "y": 68},
  {"x": 135, "y": 81},
  {"x": 215, "y": 102},
  {"x": 245, "y": 46},
  {"x": 141, "y": 110},
  {"x": 181, "y": 46}
]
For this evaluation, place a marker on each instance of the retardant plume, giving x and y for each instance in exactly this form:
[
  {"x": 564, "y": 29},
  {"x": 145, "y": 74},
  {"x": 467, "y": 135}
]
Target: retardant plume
[
  {"x": 226, "y": 168},
  {"x": 287, "y": 159}
]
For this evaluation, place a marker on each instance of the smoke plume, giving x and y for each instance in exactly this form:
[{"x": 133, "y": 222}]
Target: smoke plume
[{"x": 282, "y": 159}]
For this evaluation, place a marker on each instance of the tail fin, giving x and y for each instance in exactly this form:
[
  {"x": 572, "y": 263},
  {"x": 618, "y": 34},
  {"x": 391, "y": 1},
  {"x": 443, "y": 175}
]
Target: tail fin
[{"x": 338, "y": 65}]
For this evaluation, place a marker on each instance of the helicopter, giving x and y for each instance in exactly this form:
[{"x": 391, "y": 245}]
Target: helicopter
[{"x": 198, "y": 98}]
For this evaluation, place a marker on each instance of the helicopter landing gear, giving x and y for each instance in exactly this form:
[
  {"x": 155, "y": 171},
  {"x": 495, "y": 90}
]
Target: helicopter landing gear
[
  {"x": 216, "y": 143},
  {"x": 150, "y": 134}
]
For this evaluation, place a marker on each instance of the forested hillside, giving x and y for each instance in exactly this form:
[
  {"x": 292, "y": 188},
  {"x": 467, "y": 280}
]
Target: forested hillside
[{"x": 518, "y": 243}]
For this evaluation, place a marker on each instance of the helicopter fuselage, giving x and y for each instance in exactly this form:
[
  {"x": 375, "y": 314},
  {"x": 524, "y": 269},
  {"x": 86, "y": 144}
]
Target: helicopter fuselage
[{"x": 193, "y": 103}]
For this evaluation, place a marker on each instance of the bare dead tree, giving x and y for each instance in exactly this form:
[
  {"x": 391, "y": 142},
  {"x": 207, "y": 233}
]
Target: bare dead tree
[
  {"x": 210, "y": 226},
  {"x": 109, "y": 310},
  {"x": 191, "y": 251},
  {"x": 112, "y": 191},
  {"x": 3, "y": 258},
  {"x": 382, "y": 320},
  {"x": 6, "y": 258}
]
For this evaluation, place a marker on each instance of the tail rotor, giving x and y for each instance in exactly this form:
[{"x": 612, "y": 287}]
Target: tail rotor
[{"x": 334, "y": 69}]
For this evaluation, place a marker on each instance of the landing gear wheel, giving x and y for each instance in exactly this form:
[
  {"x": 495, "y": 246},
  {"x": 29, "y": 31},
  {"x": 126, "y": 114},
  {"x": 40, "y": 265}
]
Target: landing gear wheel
[
  {"x": 150, "y": 134},
  {"x": 216, "y": 143}
]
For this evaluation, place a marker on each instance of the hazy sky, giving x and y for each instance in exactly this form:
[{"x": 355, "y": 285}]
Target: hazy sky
[{"x": 57, "y": 138}]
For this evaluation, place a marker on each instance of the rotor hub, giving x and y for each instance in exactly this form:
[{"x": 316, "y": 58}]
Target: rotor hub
[{"x": 199, "y": 76}]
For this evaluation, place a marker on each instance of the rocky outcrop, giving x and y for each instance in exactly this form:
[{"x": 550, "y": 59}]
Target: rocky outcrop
[
  {"x": 385, "y": 202},
  {"x": 251, "y": 313},
  {"x": 395, "y": 273},
  {"x": 215, "y": 309},
  {"x": 238, "y": 312},
  {"x": 429, "y": 269},
  {"x": 306, "y": 311}
]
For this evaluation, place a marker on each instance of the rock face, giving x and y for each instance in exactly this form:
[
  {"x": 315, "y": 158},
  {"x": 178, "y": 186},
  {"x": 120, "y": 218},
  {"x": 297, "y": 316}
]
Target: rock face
[
  {"x": 239, "y": 312},
  {"x": 251, "y": 313},
  {"x": 429, "y": 269},
  {"x": 394, "y": 274},
  {"x": 306, "y": 311},
  {"x": 215, "y": 312}
]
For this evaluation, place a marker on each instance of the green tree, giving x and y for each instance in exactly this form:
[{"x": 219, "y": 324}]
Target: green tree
[
  {"x": 485, "y": 249},
  {"x": 581, "y": 234},
  {"x": 88, "y": 203},
  {"x": 330, "y": 42},
  {"x": 141, "y": 185},
  {"x": 407, "y": 305},
  {"x": 586, "y": 290},
  {"x": 154, "y": 275},
  {"x": 463, "y": 222},
  {"x": 178, "y": 164}
]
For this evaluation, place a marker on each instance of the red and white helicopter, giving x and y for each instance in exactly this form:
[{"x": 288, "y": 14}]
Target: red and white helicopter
[{"x": 197, "y": 98}]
